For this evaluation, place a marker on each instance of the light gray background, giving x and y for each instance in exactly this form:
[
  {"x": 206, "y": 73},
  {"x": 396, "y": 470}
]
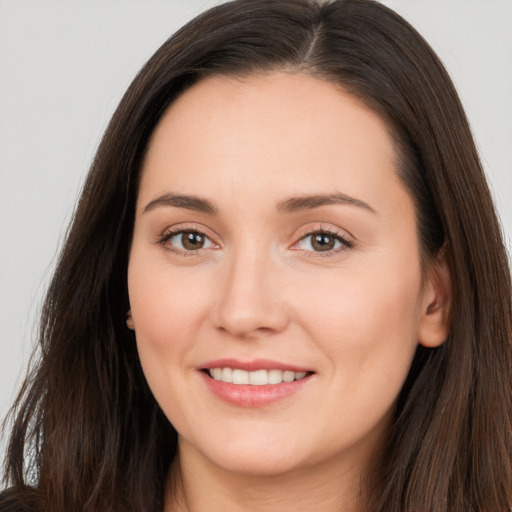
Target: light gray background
[{"x": 63, "y": 68}]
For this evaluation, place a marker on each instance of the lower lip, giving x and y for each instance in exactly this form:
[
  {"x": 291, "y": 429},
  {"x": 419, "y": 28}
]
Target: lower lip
[{"x": 245, "y": 395}]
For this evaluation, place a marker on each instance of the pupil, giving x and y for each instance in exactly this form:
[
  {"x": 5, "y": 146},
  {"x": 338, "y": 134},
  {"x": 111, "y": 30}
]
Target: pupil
[
  {"x": 323, "y": 242},
  {"x": 192, "y": 241}
]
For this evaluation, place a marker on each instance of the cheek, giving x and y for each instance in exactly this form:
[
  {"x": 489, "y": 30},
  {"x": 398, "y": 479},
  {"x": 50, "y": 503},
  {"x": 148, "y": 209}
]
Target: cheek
[
  {"x": 366, "y": 323},
  {"x": 164, "y": 303},
  {"x": 167, "y": 310}
]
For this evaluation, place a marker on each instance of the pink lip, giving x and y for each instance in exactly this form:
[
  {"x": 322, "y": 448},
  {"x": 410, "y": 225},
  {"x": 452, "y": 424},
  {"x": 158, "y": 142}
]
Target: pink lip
[{"x": 244, "y": 395}]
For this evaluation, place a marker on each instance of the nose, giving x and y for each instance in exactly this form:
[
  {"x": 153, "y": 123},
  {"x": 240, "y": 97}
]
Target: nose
[{"x": 251, "y": 299}]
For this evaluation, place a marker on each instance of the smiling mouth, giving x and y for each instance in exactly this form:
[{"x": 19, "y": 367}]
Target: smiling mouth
[{"x": 254, "y": 378}]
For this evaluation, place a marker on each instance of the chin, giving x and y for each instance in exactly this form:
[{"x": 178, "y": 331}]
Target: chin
[
  {"x": 256, "y": 457},
  {"x": 257, "y": 465}
]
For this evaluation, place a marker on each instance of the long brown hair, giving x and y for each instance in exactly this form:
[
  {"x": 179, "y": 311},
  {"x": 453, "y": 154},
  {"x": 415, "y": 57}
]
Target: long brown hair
[{"x": 87, "y": 433}]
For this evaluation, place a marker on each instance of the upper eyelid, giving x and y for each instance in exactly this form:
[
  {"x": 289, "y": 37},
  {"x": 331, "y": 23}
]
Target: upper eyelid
[
  {"x": 180, "y": 228},
  {"x": 337, "y": 232}
]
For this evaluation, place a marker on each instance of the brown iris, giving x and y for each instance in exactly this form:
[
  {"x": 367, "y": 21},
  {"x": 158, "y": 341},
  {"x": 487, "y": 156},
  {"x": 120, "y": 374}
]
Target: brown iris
[
  {"x": 322, "y": 242},
  {"x": 192, "y": 240}
]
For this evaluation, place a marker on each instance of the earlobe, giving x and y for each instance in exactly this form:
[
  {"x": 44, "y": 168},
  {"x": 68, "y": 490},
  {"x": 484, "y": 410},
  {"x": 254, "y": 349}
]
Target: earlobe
[
  {"x": 129, "y": 320},
  {"x": 434, "y": 324}
]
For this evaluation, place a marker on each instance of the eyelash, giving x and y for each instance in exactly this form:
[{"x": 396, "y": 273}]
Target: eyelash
[
  {"x": 337, "y": 236},
  {"x": 169, "y": 235}
]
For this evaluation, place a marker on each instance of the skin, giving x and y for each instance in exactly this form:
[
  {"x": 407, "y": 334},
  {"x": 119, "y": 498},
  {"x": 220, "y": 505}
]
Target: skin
[{"x": 258, "y": 289}]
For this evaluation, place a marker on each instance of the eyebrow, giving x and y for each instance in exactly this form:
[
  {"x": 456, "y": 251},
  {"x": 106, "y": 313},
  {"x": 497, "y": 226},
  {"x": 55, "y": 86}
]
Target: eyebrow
[
  {"x": 182, "y": 201},
  {"x": 291, "y": 205},
  {"x": 308, "y": 202}
]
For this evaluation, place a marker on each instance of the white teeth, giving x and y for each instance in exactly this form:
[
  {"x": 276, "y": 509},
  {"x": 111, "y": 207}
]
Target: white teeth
[
  {"x": 227, "y": 375},
  {"x": 256, "y": 378},
  {"x": 288, "y": 376},
  {"x": 240, "y": 377},
  {"x": 275, "y": 376},
  {"x": 216, "y": 373}
]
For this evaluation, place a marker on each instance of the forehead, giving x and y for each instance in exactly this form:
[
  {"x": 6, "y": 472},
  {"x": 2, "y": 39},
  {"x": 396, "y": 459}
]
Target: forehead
[{"x": 278, "y": 132}]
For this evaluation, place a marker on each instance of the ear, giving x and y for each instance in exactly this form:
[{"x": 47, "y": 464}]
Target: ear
[
  {"x": 434, "y": 324},
  {"x": 129, "y": 320}
]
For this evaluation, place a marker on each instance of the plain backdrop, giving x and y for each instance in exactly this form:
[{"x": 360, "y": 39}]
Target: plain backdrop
[{"x": 64, "y": 67}]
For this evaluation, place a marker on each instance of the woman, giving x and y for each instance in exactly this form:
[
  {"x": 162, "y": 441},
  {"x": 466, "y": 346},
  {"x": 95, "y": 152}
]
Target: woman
[{"x": 284, "y": 286}]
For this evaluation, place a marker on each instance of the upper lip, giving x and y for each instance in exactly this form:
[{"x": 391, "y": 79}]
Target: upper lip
[{"x": 251, "y": 366}]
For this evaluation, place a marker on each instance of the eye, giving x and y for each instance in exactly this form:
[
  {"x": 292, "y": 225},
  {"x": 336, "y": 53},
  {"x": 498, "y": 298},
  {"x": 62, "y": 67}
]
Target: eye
[
  {"x": 187, "y": 241},
  {"x": 323, "y": 241}
]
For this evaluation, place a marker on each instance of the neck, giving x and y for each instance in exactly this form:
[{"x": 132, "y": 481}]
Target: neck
[{"x": 196, "y": 484}]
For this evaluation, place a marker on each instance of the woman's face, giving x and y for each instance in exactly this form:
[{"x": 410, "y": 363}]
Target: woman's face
[{"x": 273, "y": 242}]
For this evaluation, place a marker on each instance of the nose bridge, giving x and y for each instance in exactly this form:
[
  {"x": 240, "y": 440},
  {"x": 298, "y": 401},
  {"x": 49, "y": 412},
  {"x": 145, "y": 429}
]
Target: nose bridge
[{"x": 250, "y": 299}]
